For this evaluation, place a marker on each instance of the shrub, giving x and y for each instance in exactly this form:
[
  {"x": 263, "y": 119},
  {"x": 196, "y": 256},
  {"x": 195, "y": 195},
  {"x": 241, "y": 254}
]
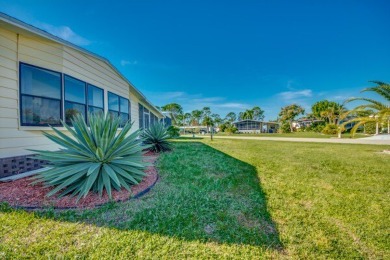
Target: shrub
[
  {"x": 96, "y": 158},
  {"x": 370, "y": 128},
  {"x": 173, "y": 131},
  {"x": 156, "y": 137},
  {"x": 330, "y": 129},
  {"x": 231, "y": 129},
  {"x": 224, "y": 126},
  {"x": 316, "y": 127},
  {"x": 285, "y": 128}
]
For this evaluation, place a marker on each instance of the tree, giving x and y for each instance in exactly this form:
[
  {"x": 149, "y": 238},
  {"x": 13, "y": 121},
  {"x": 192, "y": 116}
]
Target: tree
[
  {"x": 248, "y": 114},
  {"x": 206, "y": 111},
  {"x": 381, "y": 109},
  {"x": 326, "y": 110},
  {"x": 241, "y": 116},
  {"x": 196, "y": 117},
  {"x": 231, "y": 117},
  {"x": 174, "y": 110},
  {"x": 289, "y": 113},
  {"x": 208, "y": 120},
  {"x": 217, "y": 119},
  {"x": 187, "y": 119},
  {"x": 258, "y": 113}
]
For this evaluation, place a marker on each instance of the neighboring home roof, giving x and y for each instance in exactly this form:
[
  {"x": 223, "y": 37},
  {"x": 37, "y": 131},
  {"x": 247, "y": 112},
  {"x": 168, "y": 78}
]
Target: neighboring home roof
[
  {"x": 18, "y": 25},
  {"x": 246, "y": 120}
]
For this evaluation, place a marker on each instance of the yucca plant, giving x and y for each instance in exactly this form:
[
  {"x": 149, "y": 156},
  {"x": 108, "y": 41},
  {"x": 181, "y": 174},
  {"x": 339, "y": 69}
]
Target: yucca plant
[
  {"x": 156, "y": 137},
  {"x": 94, "y": 157}
]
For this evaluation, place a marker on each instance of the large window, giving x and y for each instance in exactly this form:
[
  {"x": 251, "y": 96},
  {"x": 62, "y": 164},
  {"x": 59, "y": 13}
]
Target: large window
[
  {"x": 141, "y": 115},
  {"x": 75, "y": 98},
  {"x": 119, "y": 106},
  {"x": 40, "y": 94},
  {"x": 146, "y": 118},
  {"x": 95, "y": 99}
]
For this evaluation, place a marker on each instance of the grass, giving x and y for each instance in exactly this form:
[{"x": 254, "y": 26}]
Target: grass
[
  {"x": 228, "y": 199},
  {"x": 294, "y": 135}
]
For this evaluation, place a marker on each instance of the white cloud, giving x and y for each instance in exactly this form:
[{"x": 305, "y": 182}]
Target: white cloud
[
  {"x": 291, "y": 95},
  {"x": 64, "y": 32},
  {"x": 127, "y": 62},
  {"x": 233, "y": 105}
]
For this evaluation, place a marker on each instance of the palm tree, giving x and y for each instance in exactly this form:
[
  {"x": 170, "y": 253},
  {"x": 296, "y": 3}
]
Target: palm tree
[
  {"x": 381, "y": 109},
  {"x": 248, "y": 114}
]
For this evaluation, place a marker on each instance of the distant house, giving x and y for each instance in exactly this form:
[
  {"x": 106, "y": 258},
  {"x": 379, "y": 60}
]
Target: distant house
[
  {"x": 45, "y": 79},
  {"x": 305, "y": 122},
  {"x": 256, "y": 126}
]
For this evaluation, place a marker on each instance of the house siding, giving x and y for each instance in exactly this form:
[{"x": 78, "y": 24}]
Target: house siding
[{"x": 15, "y": 140}]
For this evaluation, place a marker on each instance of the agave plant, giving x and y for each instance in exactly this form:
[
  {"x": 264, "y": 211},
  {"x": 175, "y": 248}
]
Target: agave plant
[
  {"x": 156, "y": 137},
  {"x": 93, "y": 158}
]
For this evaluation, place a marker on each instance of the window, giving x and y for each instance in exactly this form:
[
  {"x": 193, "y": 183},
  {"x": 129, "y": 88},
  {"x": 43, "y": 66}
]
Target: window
[
  {"x": 75, "y": 98},
  {"x": 40, "y": 94},
  {"x": 118, "y": 106},
  {"x": 146, "y": 118},
  {"x": 95, "y": 99},
  {"x": 141, "y": 115}
]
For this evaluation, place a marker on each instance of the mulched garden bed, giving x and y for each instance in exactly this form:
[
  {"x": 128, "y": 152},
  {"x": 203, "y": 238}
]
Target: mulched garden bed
[{"x": 21, "y": 193}]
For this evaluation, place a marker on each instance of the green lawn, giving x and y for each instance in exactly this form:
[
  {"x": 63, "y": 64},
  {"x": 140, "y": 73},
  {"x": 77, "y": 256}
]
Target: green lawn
[
  {"x": 228, "y": 199},
  {"x": 295, "y": 135}
]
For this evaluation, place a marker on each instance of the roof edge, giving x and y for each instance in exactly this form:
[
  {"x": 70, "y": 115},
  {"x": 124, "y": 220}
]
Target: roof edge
[{"x": 42, "y": 33}]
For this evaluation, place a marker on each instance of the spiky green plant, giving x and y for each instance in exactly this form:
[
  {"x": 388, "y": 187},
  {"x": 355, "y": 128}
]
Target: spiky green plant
[
  {"x": 156, "y": 137},
  {"x": 95, "y": 157}
]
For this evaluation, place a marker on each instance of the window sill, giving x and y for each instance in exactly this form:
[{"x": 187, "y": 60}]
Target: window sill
[{"x": 40, "y": 128}]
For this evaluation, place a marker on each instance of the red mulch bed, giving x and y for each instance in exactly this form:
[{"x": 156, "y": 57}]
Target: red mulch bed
[{"x": 21, "y": 193}]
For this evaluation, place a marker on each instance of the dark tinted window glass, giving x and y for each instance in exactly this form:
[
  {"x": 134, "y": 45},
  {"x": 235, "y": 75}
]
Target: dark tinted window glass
[
  {"x": 113, "y": 102},
  {"x": 124, "y": 104},
  {"x": 141, "y": 115},
  {"x": 40, "y": 111},
  {"x": 40, "y": 82},
  {"x": 95, "y": 96},
  {"x": 74, "y": 90},
  {"x": 146, "y": 120},
  {"x": 124, "y": 118},
  {"x": 93, "y": 110},
  {"x": 72, "y": 109}
]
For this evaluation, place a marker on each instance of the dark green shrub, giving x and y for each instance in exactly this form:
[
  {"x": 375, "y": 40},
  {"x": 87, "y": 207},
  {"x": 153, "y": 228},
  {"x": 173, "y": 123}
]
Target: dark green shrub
[
  {"x": 156, "y": 138},
  {"x": 173, "y": 131},
  {"x": 330, "y": 129},
  {"x": 95, "y": 158},
  {"x": 231, "y": 129},
  {"x": 316, "y": 127},
  {"x": 285, "y": 128},
  {"x": 223, "y": 127}
]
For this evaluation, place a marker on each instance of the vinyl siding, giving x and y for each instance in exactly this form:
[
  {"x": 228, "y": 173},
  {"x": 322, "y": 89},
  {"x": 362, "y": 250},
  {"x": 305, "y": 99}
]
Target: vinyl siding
[{"x": 38, "y": 51}]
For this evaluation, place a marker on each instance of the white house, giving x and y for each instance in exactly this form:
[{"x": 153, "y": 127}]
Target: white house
[{"x": 45, "y": 79}]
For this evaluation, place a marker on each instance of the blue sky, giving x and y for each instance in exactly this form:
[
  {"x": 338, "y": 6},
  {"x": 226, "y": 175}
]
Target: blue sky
[{"x": 229, "y": 55}]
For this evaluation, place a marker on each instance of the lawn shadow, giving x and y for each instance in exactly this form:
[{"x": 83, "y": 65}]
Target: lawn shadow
[{"x": 203, "y": 195}]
